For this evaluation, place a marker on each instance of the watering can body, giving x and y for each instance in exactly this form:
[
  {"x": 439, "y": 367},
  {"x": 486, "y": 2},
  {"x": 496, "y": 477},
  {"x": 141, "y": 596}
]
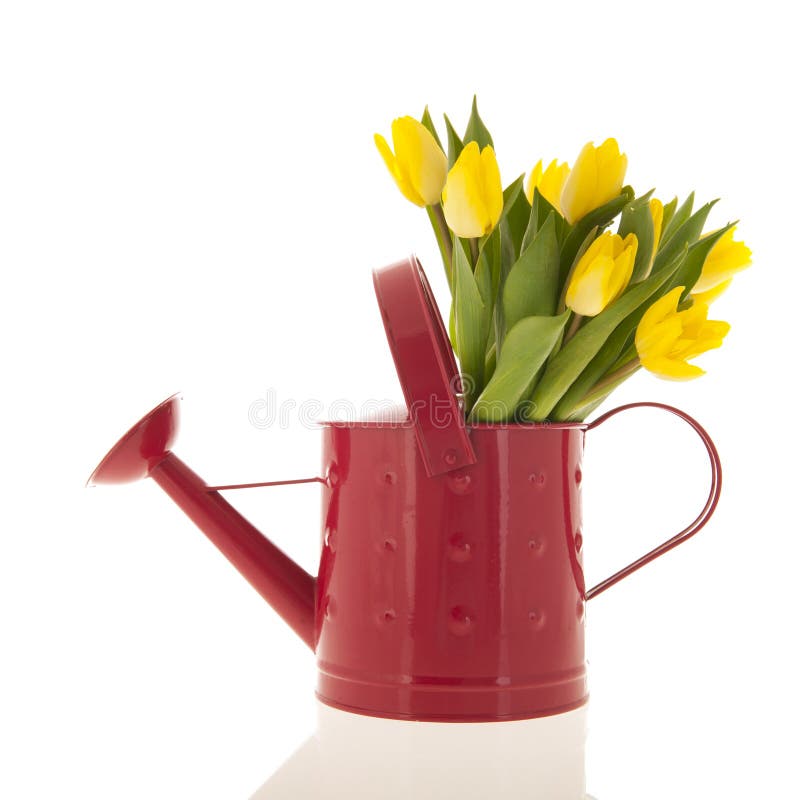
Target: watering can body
[{"x": 458, "y": 596}]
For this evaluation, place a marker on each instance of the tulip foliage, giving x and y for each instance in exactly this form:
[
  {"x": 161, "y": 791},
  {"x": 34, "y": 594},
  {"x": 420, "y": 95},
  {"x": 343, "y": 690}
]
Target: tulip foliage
[{"x": 567, "y": 284}]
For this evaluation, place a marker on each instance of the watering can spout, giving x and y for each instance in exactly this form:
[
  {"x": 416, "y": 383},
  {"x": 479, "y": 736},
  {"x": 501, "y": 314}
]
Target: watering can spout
[{"x": 145, "y": 451}]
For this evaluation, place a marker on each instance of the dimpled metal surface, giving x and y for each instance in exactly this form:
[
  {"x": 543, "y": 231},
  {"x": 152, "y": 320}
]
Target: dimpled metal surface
[{"x": 458, "y": 596}]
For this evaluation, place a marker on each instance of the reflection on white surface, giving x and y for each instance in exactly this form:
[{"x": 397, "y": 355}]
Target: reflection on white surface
[{"x": 351, "y": 756}]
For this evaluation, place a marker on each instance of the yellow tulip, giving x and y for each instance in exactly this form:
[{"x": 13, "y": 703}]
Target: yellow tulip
[
  {"x": 602, "y": 273},
  {"x": 667, "y": 338},
  {"x": 723, "y": 262},
  {"x": 657, "y": 213},
  {"x": 473, "y": 194},
  {"x": 549, "y": 182},
  {"x": 595, "y": 179},
  {"x": 707, "y": 298},
  {"x": 418, "y": 165}
]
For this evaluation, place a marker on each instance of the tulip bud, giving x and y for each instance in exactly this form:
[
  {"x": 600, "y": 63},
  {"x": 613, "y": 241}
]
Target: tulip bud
[
  {"x": 667, "y": 338},
  {"x": 602, "y": 273},
  {"x": 549, "y": 182},
  {"x": 418, "y": 165},
  {"x": 722, "y": 263},
  {"x": 595, "y": 179},
  {"x": 657, "y": 213},
  {"x": 472, "y": 198}
]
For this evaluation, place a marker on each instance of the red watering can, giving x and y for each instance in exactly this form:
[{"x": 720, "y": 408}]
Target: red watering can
[{"x": 450, "y": 583}]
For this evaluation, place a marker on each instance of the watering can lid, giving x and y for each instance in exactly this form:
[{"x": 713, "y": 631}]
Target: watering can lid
[{"x": 425, "y": 365}]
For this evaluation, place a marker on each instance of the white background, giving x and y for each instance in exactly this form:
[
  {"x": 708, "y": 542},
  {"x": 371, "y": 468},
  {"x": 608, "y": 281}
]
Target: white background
[{"x": 190, "y": 200}]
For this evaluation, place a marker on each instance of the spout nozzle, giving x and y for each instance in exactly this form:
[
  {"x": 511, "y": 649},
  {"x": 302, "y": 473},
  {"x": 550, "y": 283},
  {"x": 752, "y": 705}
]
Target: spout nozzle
[{"x": 142, "y": 448}]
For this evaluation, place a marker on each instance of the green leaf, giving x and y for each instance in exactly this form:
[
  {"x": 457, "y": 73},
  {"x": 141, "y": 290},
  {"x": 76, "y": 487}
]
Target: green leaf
[
  {"x": 676, "y": 218},
  {"x": 541, "y": 209},
  {"x": 444, "y": 244},
  {"x": 580, "y": 414},
  {"x": 454, "y": 143},
  {"x": 490, "y": 363},
  {"x": 476, "y": 131},
  {"x": 471, "y": 320},
  {"x": 637, "y": 219},
  {"x": 688, "y": 233},
  {"x": 669, "y": 213},
  {"x": 484, "y": 272},
  {"x": 511, "y": 194},
  {"x": 514, "y": 225},
  {"x": 428, "y": 123},
  {"x": 599, "y": 218},
  {"x": 451, "y": 327},
  {"x": 595, "y": 399},
  {"x": 500, "y": 250},
  {"x": 577, "y": 353},
  {"x": 598, "y": 366},
  {"x": 629, "y": 351},
  {"x": 491, "y": 253},
  {"x": 525, "y": 350},
  {"x": 531, "y": 288},
  {"x": 689, "y": 272}
]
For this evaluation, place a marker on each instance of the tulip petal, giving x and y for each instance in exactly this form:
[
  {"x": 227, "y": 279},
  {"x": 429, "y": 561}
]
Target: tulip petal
[
  {"x": 492, "y": 187},
  {"x": 709, "y": 296},
  {"x": 463, "y": 207},
  {"x": 602, "y": 274},
  {"x": 589, "y": 292},
  {"x": 549, "y": 182},
  {"x": 725, "y": 259},
  {"x": 660, "y": 339},
  {"x": 611, "y": 169},
  {"x": 418, "y": 165},
  {"x": 661, "y": 308},
  {"x": 386, "y": 153},
  {"x": 657, "y": 213},
  {"x": 553, "y": 181},
  {"x": 424, "y": 159},
  {"x": 394, "y": 167},
  {"x": 473, "y": 195},
  {"x": 596, "y": 178},
  {"x": 580, "y": 186},
  {"x": 711, "y": 337},
  {"x": 672, "y": 370},
  {"x": 534, "y": 179},
  {"x": 623, "y": 267},
  {"x": 667, "y": 338},
  {"x": 407, "y": 135}
]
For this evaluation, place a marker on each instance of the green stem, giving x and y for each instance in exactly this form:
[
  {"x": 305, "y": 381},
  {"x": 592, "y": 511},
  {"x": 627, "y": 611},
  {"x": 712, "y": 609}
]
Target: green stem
[
  {"x": 474, "y": 252},
  {"x": 606, "y": 385},
  {"x": 577, "y": 319},
  {"x": 443, "y": 239}
]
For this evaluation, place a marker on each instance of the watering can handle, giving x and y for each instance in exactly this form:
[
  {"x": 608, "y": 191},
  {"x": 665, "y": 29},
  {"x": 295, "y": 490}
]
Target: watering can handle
[{"x": 703, "y": 516}]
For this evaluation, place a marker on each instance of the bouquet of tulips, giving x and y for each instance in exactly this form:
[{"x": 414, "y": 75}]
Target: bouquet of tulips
[{"x": 551, "y": 310}]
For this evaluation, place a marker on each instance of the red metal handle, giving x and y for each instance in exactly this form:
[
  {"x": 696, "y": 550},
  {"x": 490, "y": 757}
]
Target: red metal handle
[
  {"x": 703, "y": 516},
  {"x": 425, "y": 365}
]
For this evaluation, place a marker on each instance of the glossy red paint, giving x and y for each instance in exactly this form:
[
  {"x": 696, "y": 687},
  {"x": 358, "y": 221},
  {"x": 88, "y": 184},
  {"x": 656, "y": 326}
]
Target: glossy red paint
[
  {"x": 456, "y": 597},
  {"x": 425, "y": 365},
  {"x": 144, "y": 451},
  {"x": 700, "y": 520},
  {"x": 144, "y": 445}
]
